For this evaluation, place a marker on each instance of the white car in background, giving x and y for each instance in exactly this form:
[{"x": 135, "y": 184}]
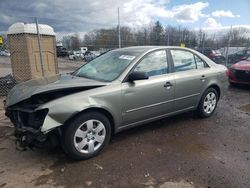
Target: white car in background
[
  {"x": 96, "y": 53},
  {"x": 5, "y": 53},
  {"x": 83, "y": 49},
  {"x": 76, "y": 55}
]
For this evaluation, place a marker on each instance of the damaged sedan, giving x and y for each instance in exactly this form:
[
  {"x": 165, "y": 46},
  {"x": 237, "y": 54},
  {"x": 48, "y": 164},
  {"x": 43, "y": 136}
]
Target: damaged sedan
[{"x": 121, "y": 89}]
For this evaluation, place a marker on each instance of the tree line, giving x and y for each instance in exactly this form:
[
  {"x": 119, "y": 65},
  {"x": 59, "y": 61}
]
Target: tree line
[{"x": 156, "y": 34}]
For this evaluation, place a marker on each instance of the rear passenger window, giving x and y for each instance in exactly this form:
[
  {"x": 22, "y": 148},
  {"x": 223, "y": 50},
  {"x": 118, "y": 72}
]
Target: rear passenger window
[
  {"x": 200, "y": 63},
  {"x": 183, "y": 60}
]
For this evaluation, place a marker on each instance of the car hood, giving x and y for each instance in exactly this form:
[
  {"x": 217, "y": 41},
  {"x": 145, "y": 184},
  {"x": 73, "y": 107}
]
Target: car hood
[
  {"x": 242, "y": 65},
  {"x": 55, "y": 83}
]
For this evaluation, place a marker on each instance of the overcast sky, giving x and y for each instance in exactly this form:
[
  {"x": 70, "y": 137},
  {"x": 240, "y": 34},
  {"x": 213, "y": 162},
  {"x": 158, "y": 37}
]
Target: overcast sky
[{"x": 84, "y": 15}]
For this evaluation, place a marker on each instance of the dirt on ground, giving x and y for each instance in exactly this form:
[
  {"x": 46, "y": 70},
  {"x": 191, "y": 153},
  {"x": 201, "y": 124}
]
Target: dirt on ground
[{"x": 181, "y": 151}]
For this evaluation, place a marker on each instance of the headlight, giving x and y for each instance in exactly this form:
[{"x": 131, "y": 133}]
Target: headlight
[
  {"x": 232, "y": 70},
  {"x": 36, "y": 119}
]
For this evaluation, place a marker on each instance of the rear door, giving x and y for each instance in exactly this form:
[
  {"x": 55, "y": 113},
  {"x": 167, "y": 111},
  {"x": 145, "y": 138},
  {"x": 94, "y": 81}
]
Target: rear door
[{"x": 190, "y": 78}]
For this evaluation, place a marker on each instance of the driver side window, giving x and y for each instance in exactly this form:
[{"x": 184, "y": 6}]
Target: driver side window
[{"x": 154, "y": 63}]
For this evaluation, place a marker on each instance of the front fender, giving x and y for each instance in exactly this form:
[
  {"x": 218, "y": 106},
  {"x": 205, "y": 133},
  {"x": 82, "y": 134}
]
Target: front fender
[{"x": 62, "y": 109}]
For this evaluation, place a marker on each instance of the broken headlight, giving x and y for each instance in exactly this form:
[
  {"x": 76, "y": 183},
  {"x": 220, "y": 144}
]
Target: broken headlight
[
  {"x": 28, "y": 118},
  {"x": 36, "y": 119}
]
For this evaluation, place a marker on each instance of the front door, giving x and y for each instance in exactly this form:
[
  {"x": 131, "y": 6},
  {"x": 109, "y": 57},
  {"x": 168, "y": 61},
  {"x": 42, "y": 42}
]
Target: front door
[{"x": 150, "y": 98}]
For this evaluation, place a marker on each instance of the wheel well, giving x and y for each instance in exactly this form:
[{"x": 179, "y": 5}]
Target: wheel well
[
  {"x": 100, "y": 110},
  {"x": 216, "y": 88}
]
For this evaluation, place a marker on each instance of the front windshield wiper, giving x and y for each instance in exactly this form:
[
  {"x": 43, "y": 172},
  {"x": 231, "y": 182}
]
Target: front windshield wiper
[{"x": 83, "y": 76}]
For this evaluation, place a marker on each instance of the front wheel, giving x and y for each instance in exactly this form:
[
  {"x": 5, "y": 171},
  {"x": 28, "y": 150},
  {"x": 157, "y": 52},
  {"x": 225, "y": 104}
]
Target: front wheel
[
  {"x": 208, "y": 103},
  {"x": 86, "y": 135}
]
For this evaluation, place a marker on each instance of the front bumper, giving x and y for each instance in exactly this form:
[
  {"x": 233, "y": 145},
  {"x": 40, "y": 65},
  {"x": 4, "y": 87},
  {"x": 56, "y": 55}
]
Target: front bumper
[
  {"x": 29, "y": 137},
  {"x": 239, "y": 76},
  {"x": 238, "y": 82},
  {"x": 28, "y": 123}
]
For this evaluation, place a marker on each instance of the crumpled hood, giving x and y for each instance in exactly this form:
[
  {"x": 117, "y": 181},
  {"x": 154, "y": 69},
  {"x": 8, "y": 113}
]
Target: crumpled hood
[{"x": 27, "y": 89}]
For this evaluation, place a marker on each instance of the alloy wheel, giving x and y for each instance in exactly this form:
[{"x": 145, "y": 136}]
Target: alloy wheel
[
  {"x": 89, "y": 136},
  {"x": 209, "y": 103}
]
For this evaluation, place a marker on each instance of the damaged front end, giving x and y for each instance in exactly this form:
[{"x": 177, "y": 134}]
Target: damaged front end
[
  {"x": 28, "y": 119},
  {"x": 33, "y": 110},
  {"x": 28, "y": 122}
]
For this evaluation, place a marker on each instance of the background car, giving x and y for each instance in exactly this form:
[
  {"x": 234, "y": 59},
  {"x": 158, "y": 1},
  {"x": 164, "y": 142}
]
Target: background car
[
  {"x": 6, "y": 83},
  {"x": 213, "y": 54},
  {"x": 4, "y": 53},
  {"x": 76, "y": 55},
  {"x": 61, "y": 51},
  {"x": 118, "y": 90},
  {"x": 89, "y": 56},
  {"x": 234, "y": 58},
  {"x": 239, "y": 73}
]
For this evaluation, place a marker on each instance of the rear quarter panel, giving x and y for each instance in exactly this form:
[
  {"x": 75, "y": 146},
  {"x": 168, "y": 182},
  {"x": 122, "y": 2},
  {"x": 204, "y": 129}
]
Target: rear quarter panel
[{"x": 215, "y": 76}]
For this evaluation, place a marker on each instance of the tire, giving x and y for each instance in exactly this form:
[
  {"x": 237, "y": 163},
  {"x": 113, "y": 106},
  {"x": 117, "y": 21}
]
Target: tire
[
  {"x": 86, "y": 135},
  {"x": 210, "y": 96}
]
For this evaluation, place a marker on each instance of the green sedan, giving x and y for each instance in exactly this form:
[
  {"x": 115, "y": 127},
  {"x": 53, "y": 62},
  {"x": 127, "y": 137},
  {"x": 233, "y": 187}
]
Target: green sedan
[{"x": 121, "y": 89}]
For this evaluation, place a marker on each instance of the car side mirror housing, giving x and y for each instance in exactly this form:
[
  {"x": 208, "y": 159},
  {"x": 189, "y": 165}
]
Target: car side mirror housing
[
  {"x": 138, "y": 75},
  {"x": 243, "y": 58}
]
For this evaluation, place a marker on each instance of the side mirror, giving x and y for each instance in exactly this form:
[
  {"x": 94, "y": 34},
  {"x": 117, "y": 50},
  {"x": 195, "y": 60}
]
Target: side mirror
[
  {"x": 138, "y": 75},
  {"x": 243, "y": 58}
]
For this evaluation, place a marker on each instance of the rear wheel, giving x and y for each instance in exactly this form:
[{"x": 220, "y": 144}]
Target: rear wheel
[
  {"x": 86, "y": 135},
  {"x": 208, "y": 103}
]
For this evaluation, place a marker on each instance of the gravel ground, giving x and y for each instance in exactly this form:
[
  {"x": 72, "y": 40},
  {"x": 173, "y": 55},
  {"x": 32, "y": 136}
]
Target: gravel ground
[{"x": 181, "y": 151}]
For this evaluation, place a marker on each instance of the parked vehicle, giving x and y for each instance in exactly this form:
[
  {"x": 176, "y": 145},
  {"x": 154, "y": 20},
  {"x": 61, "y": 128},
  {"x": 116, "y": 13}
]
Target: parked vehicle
[
  {"x": 239, "y": 73},
  {"x": 83, "y": 50},
  {"x": 5, "y": 53},
  {"x": 236, "y": 57},
  {"x": 61, "y": 51},
  {"x": 76, "y": 55},
  {"x": 89, "y": 56},
  {"x": 118, "y": 90},
  {"x": 214, "y": 55},
  {"x": 96, "y": 53},
  {"x": 6, "y": 83}
]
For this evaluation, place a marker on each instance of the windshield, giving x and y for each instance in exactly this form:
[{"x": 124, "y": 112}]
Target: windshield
[{"x": 108, "y": 66}]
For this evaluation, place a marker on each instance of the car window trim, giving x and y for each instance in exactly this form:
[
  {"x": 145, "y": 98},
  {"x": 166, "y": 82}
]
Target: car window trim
[
  {"x": 172, "y": 61},
  {"x": 204, "y": 63},
  {"x": 134, "y": 66},
  {"x": 196, "y": 62}
]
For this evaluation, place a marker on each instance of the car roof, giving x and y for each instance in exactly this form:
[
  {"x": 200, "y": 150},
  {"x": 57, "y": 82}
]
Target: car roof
[{"x": 142, "y": 49}]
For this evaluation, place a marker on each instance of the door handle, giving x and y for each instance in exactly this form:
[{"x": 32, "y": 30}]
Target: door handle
[
  {"x": 203, "y": 78},
  {"x": 168, "y": 84}
]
